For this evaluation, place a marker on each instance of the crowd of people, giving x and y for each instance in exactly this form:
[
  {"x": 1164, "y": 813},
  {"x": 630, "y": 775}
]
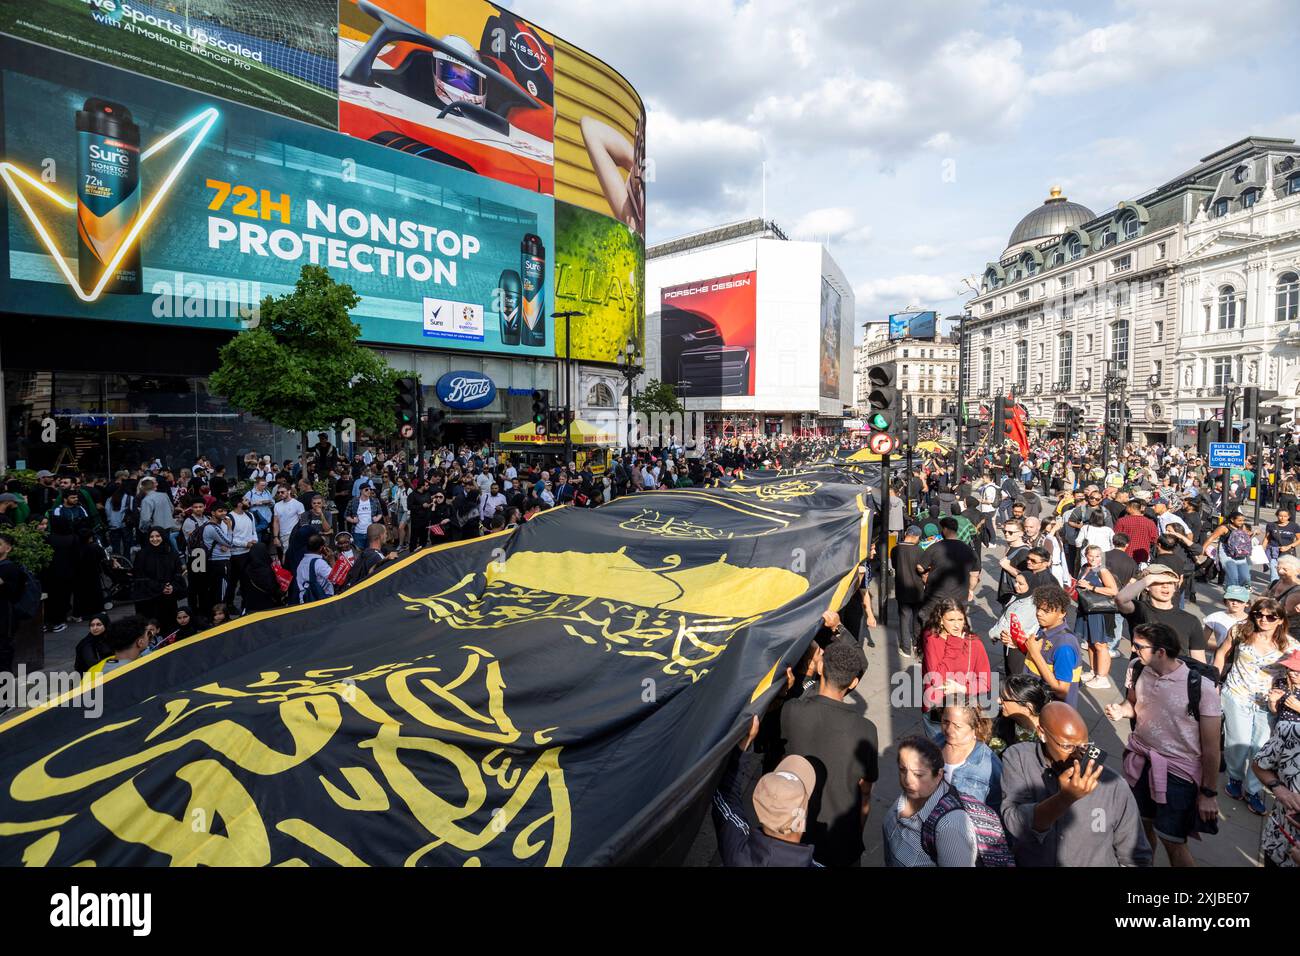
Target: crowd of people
[
  {"x": 1082, "y": 561},
  {"x": 1094, "y": 562},
  {"x": 192, "y": 547}
]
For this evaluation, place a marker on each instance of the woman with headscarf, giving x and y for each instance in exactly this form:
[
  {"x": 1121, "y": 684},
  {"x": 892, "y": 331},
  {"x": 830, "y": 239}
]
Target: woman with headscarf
[
  {"x": 259, "y": 585},
  {"x": 93, "y": 648},
  {"x": 159, "y": 581}
]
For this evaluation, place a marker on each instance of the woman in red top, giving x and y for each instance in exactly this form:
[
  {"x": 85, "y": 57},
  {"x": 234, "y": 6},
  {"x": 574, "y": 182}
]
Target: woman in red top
[{"x": 953, "y": 661}]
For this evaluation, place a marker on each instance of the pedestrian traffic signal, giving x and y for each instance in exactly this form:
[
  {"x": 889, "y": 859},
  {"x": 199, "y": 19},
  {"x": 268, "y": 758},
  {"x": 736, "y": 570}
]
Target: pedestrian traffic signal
[
  {"x": 882, "y": 398},
  {"x": 541, "y": 410},
  {"x": 406, "y": 406}
]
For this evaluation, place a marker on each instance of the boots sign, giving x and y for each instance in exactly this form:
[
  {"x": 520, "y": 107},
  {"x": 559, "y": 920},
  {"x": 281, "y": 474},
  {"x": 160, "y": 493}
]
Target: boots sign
[{"x": 465, "y": 391}]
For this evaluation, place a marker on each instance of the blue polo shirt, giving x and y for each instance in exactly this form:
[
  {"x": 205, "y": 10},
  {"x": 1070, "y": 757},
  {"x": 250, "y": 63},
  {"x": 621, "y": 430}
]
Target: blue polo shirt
[{"x": 1062, "y": 653}]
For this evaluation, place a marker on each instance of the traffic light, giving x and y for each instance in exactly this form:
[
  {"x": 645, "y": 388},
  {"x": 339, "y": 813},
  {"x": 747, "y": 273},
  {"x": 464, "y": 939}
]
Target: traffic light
[
  {"x": 1008, "y": 409},
  {"x": 555, "y": 425},
  {"x": 1075, "y": 416},
  {"x": 882, "y": 399},
  {"x": 1207, "y": 430},
  {"x": 406, "y": 406},
  {"x": 1251, "y": 399},
  {"x": 542, "y": 410},
  {"x": 909, "y": 430},
  {"x": 1272, "y": 421},
  {"x": 435, "y": 425}
]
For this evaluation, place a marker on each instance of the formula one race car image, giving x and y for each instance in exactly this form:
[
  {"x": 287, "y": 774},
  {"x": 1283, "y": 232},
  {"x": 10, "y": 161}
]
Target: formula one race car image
[{"x": 488, "y": 110}]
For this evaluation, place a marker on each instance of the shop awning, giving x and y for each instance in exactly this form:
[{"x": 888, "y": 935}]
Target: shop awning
[{"x": 583, "y": 433}]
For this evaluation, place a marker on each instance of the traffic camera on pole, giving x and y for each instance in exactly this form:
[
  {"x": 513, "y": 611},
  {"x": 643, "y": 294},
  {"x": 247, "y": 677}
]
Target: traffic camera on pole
[
  {"x": 882, "y": 399},
  {"x": 406, "y": 406}
]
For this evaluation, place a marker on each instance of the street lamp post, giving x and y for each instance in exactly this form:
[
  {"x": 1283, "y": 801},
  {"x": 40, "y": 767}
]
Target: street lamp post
[{"x": 630, "y": 365}]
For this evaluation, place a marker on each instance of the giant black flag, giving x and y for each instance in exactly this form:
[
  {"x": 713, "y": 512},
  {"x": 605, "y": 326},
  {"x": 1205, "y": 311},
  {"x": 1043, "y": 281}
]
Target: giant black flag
[{"x": 555, "y": 695}]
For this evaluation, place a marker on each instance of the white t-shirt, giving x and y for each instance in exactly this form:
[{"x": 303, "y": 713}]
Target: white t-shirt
[
  {"x": 364, "y": 511},
  {"x": 1220, "y": 622},
  {"x": 288, "y": 511}
]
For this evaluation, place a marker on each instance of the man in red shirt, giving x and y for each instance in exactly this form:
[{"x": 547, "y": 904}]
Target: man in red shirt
[{"x": 1141, "y": 530}]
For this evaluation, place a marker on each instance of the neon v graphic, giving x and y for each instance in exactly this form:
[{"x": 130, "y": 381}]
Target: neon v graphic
[{"x": 15, "y": 176}]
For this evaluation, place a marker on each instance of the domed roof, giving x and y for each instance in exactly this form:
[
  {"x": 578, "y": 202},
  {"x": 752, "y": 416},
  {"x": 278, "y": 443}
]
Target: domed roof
[{"x": 1053, "y": 218}]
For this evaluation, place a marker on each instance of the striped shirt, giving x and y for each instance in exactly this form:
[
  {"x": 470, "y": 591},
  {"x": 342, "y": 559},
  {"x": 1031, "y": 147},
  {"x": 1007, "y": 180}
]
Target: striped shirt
[{"x": 954, "y": 837}]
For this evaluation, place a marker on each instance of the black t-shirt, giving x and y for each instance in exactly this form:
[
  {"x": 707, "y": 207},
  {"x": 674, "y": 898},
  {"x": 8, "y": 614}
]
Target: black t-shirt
[
  {"x": 908, "y": 586},
  {"x": 1188, "y": 627},
  {"x": 841, "y": 745},
  {"x": 1282, "y": 534},
  {"x": 1195, "y": 521},
  {"x": 1018, "y": 558},
  {"x": 949, "y": 563},
  {"x": 1119, "y": 564}
]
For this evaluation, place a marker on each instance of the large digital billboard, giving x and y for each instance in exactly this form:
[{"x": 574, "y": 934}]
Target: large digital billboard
[
  {"x": 464, "y": 83},
  {"x": 279, "y": 55},
  {"x": 708, "y": 335},
  {"x": 599, "y": 138},
  {"x": 129, "y": 199},
  {"x": 600, "y": 272},
  {"x": 829, "y": 366},
  {"x": 913, "y": 325}
]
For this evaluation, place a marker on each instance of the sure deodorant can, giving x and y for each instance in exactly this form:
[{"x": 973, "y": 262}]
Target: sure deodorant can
[
  {"x": 509, "y": 291},
  {"x": 533, "y": 270},
  {"x": 108, "y": 195}
]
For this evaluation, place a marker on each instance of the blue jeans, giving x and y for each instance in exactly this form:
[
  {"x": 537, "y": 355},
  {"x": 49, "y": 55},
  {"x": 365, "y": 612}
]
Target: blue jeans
[
  {"x": 1116, "y": 632},
  {"x": 1246, "y": 728},
  {"x": 1236, "y": 571}
]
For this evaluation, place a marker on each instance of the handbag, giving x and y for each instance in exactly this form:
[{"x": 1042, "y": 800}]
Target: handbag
[
  {"x": 1092, "y": 603},
  {"x": 282, "y": 574},
  {"x": 1258, "y": 556}
]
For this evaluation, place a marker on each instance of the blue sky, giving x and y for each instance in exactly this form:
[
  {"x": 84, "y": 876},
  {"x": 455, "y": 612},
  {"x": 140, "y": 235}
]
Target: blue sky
[{"x": 916, "y": 135}]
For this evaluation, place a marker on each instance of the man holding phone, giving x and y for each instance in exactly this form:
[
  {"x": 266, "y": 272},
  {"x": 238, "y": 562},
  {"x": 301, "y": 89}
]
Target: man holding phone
[{"x": 1054, "y": 788}]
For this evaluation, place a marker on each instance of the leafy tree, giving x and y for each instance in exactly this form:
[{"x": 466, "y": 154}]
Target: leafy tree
[
  {"x": 657, "y": 396},
  {"x": 300, "y": 366}
]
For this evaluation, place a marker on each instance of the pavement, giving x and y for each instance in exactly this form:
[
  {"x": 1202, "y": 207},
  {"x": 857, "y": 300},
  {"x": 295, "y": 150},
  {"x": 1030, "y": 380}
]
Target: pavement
[{"x": 1237, "y": 842}]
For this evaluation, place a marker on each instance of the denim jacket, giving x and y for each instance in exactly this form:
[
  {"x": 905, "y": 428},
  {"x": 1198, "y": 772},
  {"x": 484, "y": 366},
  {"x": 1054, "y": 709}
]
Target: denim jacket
[{"x": 980, "y": 776}]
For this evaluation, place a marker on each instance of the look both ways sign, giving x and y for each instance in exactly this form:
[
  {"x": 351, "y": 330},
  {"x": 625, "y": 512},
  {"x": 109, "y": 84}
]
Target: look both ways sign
[{"x": 1227, "y": 454}]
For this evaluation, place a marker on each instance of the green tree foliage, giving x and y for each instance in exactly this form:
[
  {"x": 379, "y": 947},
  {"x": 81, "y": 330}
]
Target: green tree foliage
[
  {"x": 657, "y": 396},
  {"x": 300, "y": 366}
]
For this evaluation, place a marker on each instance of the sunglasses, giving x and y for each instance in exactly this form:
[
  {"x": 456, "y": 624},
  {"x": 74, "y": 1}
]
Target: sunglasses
[{"x": 1264, "y": 616}]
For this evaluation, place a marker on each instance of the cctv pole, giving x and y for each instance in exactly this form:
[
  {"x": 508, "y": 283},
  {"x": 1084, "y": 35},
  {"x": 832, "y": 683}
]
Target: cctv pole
[
  {"x": 961, "y": 404},
  {"x": 568, "y": 383},
  {"x": 882, "y": 539},
  {"x": 1225, "y": 431}
]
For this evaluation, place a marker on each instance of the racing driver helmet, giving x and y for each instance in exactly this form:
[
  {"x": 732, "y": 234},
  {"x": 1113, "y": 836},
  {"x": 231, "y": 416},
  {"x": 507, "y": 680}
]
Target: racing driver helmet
[{"x": 453, "y": 80}]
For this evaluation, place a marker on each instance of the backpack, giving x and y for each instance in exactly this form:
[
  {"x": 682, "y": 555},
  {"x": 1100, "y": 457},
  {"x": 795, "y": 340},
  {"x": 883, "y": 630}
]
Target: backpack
[
  {"x": 1196, "y": 672},
  {"x": 195, "y": 542},
  {"x": 1238, "y": 544},
  {"x": 29, "y": 602},
  {"x": 991, "y": 845},
  {"x": 314, "y": 590}
]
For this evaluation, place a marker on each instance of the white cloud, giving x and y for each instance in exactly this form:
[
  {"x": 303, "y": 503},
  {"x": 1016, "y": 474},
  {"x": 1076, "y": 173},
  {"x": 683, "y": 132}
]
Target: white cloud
[
  {"x": 876, "y": 298},
  {"x": 707, "y": 164},
  {"x": 926, "y": 251},
  {"x": 1161, "y": 37}
]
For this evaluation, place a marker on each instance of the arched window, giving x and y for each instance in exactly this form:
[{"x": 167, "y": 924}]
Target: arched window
[
  {"x": 1221, "y": 208},
  {"x": 1107, "y": 239},
  {"x": 990, "y": 279},
  {"x": 1119, "y": 342},
  {"x": 1058, "y": 258},
  {"x": 1249, "y": 197},
  {"x": 1073, "y": 247},
  {"x": 1030, "y": 267},
  {"x": 1227, "y": 307},
  {"x": 1241, "y": 175},
  {"x": 1288, "y": 297},
  {"x": 600, "y": 396},
  {"x": 1130, "y": 227}
]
